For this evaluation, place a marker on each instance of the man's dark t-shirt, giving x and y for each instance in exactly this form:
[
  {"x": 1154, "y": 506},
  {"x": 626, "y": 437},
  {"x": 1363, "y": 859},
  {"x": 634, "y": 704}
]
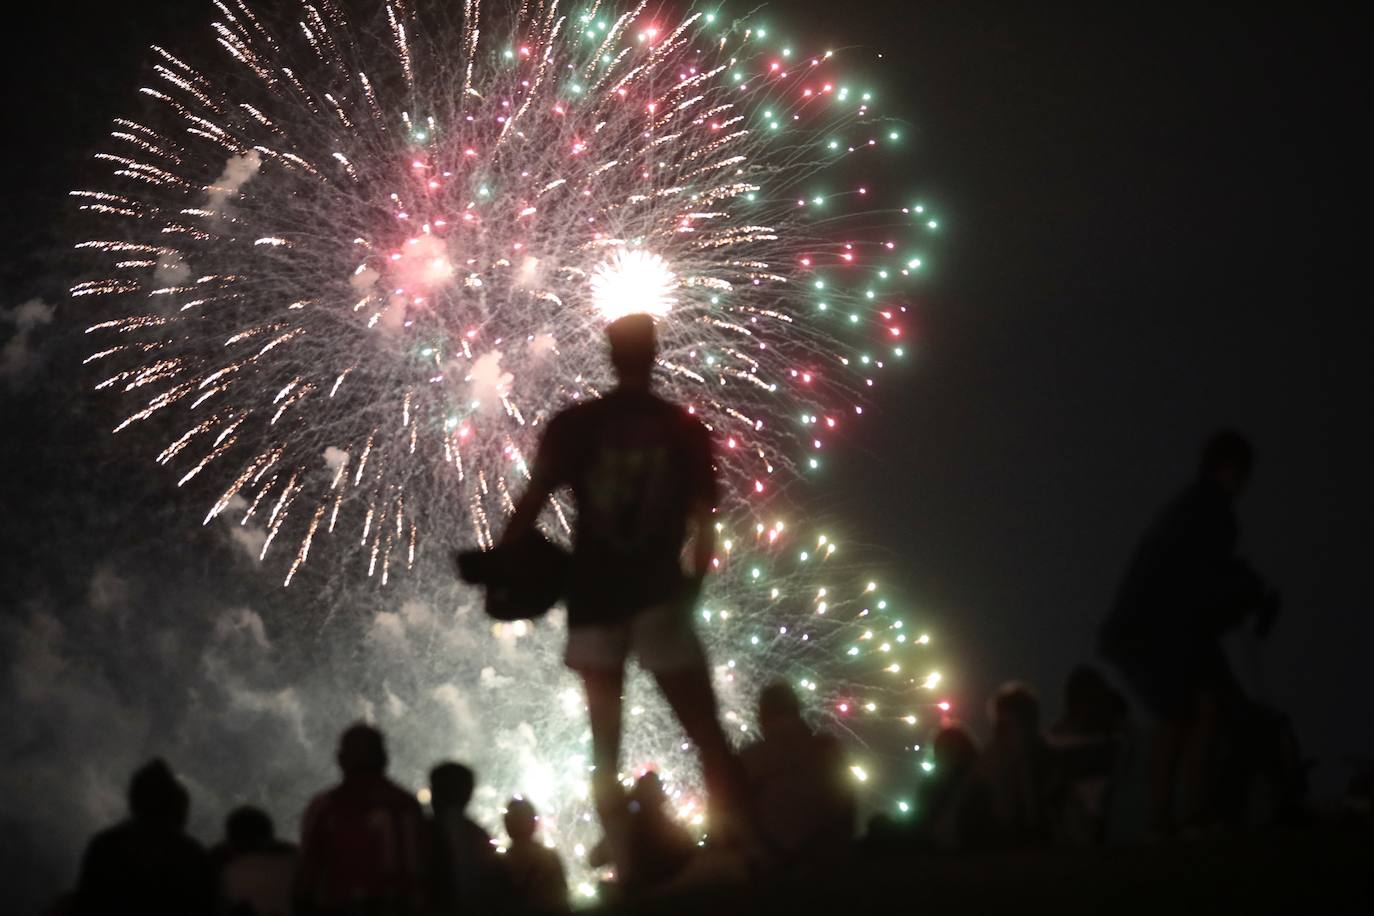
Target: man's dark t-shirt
[
  {"x": 636, "y": 465},
  {"x": 1184, "y": 588}
]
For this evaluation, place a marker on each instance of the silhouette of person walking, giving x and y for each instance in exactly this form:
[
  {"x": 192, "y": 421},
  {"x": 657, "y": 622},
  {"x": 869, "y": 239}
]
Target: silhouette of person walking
[
  {"x": 640, "y": 473},
  {"x": 1185, "y": 586}
]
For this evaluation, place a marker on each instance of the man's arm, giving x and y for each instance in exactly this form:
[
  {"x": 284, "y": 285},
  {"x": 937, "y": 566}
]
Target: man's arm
[
  {"x": 703, "y": 538},
  {"x": 526, "y": 511},
  {"x": 705, "y": 492}
]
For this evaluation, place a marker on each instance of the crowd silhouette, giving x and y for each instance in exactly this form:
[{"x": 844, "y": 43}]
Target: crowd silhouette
[
  {"x": 369, "y": 848},
  {"x": 640, "y": 472}
]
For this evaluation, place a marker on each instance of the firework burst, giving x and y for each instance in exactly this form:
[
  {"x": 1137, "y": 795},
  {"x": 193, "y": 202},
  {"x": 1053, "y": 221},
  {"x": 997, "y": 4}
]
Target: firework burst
[
  {"x": 357, "y": 263},
  {"x": 365, "y": 263}
]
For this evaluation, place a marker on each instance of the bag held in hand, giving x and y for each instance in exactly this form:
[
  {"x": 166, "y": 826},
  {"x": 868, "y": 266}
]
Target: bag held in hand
[{"x": 523, "y": 580}]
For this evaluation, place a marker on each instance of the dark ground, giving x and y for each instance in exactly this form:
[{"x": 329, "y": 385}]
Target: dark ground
[{"x": 1325, "y": 869}]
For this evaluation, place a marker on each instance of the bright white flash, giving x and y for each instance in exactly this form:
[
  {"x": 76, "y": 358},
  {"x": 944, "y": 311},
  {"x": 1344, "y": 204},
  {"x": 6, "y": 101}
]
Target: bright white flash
[{"x": 633, "y": 282}]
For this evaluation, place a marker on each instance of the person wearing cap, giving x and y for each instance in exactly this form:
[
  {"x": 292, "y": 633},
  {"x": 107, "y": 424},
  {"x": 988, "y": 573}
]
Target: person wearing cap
[{"x": 641, "y": 476}]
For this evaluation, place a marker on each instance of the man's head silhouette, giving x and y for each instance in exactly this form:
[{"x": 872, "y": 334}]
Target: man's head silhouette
[
  {"x": 648, "y": 795},
  {"x": 1015, "y": 710},
  {"x": 451, "y": 786},
  {"x": 779, "y": 710},
  {"x": 954, "y": 751},
  {"x": 362, "y": 751},
  {"x": 248, "y": 829},
  {"x": 1227, "y": 459},
  {"x": 633, "y": 348},
  {"x": 521, "y": 820},
  {"x": 157, "y": 798}
]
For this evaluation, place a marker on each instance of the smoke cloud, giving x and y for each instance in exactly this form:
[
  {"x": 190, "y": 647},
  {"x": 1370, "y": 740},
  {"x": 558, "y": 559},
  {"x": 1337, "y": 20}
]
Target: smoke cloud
[
  {"x": 487, "y": 382},
  {"x": 18, "y": 356},
  {"x": 171, "y": 270},
  {"x": 237, "y": 172}
]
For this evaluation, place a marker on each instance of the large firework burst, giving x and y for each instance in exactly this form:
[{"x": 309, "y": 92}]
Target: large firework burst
[
  {"x": 367, "y": 262},
  {"x": 362, "y": 258}
]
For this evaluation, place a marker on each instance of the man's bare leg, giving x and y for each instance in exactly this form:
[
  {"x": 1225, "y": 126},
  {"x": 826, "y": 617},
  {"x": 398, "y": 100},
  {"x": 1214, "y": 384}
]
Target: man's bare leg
[
  {"x": 604, "y": 689},
  {"x": 689, "y": 693}
]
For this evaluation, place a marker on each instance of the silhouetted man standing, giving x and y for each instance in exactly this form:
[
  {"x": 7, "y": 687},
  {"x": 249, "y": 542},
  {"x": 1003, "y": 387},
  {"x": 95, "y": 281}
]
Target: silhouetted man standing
[
  {"x": 1184, "y": 588},
  {"x": 464, "y": 871},
  {"x": 640, "y": 473},
  {"x": 361, "y": 840}
]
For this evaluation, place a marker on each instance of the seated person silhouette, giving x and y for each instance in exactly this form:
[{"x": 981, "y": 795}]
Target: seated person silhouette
[
  {"x": 659, "y": 848},
  {"x": 944, "y": 816},
  {"x": 256, "y": 871},
  {"x": 1087, "y": 741},
  {"x": 1015, "y": 779},
  {"x": 804, "y": 807},
  {"x": 534, "y": 873}
]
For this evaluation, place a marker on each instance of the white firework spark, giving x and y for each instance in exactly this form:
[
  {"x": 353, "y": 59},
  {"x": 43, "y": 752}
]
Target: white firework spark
[{"x": 631, "y": 282}]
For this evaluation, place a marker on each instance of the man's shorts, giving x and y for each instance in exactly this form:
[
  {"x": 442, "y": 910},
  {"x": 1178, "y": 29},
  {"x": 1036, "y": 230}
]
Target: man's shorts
[{"x": 662, "y": 638}]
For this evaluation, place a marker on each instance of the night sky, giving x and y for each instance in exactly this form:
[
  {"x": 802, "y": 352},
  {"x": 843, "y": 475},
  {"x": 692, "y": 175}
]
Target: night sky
[{"x": 1150, "y": 228}]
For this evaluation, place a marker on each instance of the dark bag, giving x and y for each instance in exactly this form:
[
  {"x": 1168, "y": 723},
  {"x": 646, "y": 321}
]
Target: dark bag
[{"x": 523, "y": 580}]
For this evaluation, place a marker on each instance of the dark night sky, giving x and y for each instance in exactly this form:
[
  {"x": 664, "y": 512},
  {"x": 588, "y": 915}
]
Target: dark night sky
[
  {"x": 1150, "y": 233},
  {"x": 1149, "y": 229}
]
